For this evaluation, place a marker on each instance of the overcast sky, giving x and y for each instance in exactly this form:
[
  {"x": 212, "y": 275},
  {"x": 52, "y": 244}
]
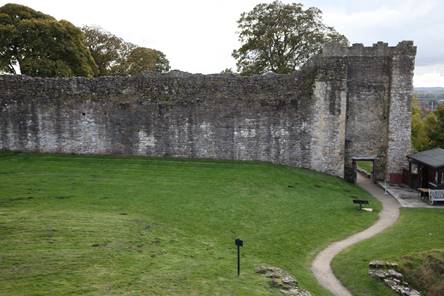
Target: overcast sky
[{"x": 198, "y": 36}]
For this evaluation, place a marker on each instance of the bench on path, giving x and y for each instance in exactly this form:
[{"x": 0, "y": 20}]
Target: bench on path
[{"x": 360, "y": 202}]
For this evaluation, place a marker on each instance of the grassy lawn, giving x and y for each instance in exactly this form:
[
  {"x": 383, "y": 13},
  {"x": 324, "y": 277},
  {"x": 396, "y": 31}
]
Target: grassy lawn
[
  {"x": 85, "y": 225},
  {"x": 417, "y": 232},
  {"x": 366, "y": 166}
]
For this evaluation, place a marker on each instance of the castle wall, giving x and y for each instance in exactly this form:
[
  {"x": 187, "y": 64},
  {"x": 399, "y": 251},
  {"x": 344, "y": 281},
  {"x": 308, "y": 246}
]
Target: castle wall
[
  {"x": 379, "y": 91},
  {"x": 399, "y": 127},
  {"x": 347, "y": 102},
  {"x": 266, "y": 118}
]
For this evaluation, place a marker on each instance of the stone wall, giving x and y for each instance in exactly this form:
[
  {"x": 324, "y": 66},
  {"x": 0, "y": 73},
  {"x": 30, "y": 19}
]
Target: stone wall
[
  {"x": 379, "y": 91},
  {"x": 340, "y": 105}
]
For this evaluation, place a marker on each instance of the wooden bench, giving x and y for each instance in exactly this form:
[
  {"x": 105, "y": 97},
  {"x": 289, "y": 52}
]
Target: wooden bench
[{"x": 360, "y": 202}]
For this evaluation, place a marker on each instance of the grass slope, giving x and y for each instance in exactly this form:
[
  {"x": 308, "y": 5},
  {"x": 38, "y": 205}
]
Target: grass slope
[
  {"x": 365, "y": 165},
  {"x": 130, "y": 226},
  {"x": 425, "y": 271},
  {"x": 416, "y": 231}
]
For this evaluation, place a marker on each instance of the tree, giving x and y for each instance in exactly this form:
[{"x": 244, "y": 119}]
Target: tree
[
  {"x": 436, "y": 131},
  {"x": 428, "y": 129},
  {"x": 281, "y": 37},
  {"x": 108, "y": 50},
  {"x": 39, "y": 45},
  {"x": 420, "y": 125},
  {"x": 115, "y": 56},
  {"x": 142, "y": 59}
]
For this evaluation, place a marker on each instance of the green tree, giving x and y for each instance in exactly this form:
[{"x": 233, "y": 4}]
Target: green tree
[
  {"x": 115, "y": 56},
  {"x": 108, "y": 50},
  {"x": 436, "y": 128},
  {"x": 142, "y": 59},
  {"x": 281, "y": 37},
  {"x": 420, "y": 137},
  {"x": 39, "y": 45}
]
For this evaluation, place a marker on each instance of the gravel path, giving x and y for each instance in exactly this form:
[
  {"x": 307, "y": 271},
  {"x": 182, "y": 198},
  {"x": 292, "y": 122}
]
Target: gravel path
[{"x": 321, "y": 264}]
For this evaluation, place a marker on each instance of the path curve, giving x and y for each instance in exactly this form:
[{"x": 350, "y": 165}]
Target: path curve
[{"x": 388, "y": 215}]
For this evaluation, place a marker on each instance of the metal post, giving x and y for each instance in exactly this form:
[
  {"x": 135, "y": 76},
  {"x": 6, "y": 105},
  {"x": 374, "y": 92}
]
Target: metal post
[
  {"x": 239, "y": 243},
  {"x": 238, "y": 260}
]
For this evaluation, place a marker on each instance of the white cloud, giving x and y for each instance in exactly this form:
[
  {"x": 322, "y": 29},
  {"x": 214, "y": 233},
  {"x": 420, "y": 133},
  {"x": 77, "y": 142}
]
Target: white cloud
[{"x": 429, "y": 76}]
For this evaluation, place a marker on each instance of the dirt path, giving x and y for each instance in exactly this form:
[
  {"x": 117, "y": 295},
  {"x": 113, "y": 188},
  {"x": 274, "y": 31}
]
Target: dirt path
[{"x": 321, "y": 264}]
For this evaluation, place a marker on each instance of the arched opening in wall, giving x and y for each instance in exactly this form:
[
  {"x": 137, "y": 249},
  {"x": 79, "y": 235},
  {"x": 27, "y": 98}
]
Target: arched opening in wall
[{"x": 364, "y": 165}]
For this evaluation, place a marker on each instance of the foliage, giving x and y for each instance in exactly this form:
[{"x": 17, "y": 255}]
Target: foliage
[
  {"x": 109, "y": 51},
  {"x": 415, "y": 232},
  {"x": 436, "y": 131},
  {"x": 281, "y": 37},
  {"x": 420, "y": 140},
  {"x": 427, "y": 128},
  {"x": 115, "y": 56},
  {"x": 40, "y": 45},
  {"x": 95, "y": 225},
  {"x": 142, "y": 59}
]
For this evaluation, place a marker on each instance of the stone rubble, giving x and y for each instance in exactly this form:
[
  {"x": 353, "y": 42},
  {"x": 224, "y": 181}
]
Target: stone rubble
[
  {"x": 388, "y": 272},
  {"x": 281, "y": 280}
]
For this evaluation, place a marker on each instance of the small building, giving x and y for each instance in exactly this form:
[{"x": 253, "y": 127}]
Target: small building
[{"x": 426, "y": 169}]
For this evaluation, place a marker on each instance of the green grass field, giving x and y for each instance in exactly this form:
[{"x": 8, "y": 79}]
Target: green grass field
[
  {"x": 418, "y": 231},
  {"x": 84, "y": 225},
  {"x": 366, "y": 166}
]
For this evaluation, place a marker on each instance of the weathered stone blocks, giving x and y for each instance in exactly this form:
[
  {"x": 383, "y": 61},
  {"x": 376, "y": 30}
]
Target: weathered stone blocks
[{"x": 392, "y": 278}]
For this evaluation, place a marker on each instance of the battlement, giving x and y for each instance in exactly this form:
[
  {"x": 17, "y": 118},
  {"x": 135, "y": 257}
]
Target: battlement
[{"x": 378, "y": 49}]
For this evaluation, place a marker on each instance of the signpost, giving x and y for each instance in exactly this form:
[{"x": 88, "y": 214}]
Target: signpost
[{"x": 239, "y": 243}]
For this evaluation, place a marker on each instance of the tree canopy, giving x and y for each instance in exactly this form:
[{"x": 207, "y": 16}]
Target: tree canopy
[
  {"x": 39, "y": 45},
  {"x": 108, "y": 50},
  {"x": 436, "y": 133},
  {"x": 281, "y": 37},
  {"x": 115, "y": 56},
  {"x": 427, "y": 127},
  {"x": 145, "y": 59}
]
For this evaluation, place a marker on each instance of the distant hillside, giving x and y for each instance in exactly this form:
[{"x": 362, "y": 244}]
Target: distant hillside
[
  {"x": 430, "y": 90},
  {"x": 429, "y": 97},
  {"x": 429, "y": 93}
]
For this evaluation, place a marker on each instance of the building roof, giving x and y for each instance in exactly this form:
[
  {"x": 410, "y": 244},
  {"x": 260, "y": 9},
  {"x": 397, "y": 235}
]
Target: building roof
[{"x": 433, "y": 157}]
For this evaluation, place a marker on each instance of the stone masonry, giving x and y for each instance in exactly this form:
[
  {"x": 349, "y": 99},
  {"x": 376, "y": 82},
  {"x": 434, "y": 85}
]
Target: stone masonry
[{"x": 344, "y": 103}]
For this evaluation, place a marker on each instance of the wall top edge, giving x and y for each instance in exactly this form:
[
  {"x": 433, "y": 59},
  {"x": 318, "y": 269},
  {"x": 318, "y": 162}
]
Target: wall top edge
[{"x": 380, "y": 48}]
